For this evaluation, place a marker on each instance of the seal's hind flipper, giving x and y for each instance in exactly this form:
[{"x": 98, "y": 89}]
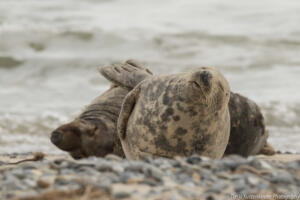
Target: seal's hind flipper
[
  {"x": 267, "y": 150},
  {"x": 126, "y": 75}
]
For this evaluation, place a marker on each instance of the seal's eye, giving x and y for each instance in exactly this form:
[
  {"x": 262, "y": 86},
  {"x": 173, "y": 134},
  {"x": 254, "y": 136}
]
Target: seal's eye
[
  {"x": 195, "y": 84},
  {"x": 75, "y": 131}
]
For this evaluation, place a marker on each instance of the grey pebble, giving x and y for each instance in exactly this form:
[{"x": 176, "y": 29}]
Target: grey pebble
[
  {"x": 218, "y": 187},
  {"x": 153, "y": 171},
  {"x": 240, "y": 185},
  {"x": 113, "y": 157},
  {"x": 121, "y": 195},
  {"x": 282, "y": 177}
]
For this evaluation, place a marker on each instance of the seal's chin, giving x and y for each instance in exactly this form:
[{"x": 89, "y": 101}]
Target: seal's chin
[{"x": 78, "y": 154}]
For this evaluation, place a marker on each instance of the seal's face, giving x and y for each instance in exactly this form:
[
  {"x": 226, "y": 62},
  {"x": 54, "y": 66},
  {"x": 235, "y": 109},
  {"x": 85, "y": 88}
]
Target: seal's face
[
  {"x": 208, "y": 86},
  {"x": 68, "y": 137},
  {"x": 82, "y": 139}
]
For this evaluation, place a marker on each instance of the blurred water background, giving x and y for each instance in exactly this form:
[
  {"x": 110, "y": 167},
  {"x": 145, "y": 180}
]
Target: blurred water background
[{"x": 50, "y": 50}]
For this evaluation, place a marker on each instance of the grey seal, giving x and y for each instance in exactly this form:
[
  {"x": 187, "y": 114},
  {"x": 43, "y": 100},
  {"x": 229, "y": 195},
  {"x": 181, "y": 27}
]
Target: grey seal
[{"x": 177, "y": 115}]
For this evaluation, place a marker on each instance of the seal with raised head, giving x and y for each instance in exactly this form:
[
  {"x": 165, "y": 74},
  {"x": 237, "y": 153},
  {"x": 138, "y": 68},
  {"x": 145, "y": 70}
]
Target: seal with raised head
[
  {"x": 177, "y": 115},
  {"x": 94, "y": 131}
]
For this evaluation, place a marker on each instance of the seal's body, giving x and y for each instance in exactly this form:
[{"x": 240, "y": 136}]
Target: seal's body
[
  {"x": 94, "y": 131},
  {"x": 177, "y": 115}
]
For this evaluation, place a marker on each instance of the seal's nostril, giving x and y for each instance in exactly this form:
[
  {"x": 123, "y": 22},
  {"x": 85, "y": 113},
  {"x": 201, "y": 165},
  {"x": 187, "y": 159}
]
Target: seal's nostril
[
  {"x": 56, "y": 137},
  {"x": 205, "y": 77}
]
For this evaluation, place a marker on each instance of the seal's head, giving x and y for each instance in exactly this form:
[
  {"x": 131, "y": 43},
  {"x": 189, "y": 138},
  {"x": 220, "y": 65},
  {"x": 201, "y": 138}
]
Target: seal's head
[
  {"x": 208, "y": 86},
  {"x": 82, "y": 139},
  {"x": 68, "y": 137}
]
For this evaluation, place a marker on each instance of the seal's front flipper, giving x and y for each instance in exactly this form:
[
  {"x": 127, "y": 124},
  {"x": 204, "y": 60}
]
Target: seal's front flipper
[
  {"x": 126, "y": 110},
  {"x": 126, "y": 75}
]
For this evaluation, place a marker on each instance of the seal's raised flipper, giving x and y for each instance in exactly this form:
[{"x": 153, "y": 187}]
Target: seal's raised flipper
[
  {"x": 126, "y": 75},
  {"x": 126, "y": 110}
]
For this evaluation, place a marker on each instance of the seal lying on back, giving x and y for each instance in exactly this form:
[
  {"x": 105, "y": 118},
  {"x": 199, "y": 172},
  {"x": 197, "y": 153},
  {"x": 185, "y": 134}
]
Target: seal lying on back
[
  {"x": 93, "y": 132},
  {"x": 177, "y": 115}
]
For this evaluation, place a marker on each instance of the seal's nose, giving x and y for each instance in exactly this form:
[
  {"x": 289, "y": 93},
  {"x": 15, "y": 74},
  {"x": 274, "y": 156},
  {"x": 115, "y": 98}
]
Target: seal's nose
[
  {"x": 56, "y": 137},
  {"x": 205, "y": 77}
]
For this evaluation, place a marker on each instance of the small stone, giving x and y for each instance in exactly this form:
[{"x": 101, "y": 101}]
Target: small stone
[
  {"x": 19, "y": 173},
  {"x": 104, "y": 183},
  {"x": 282, "y": 177},
  {"x": 12, "y": 183},
  {"x": 239, "y": 185},
  {"x": 60, "y": 180},
  {"x": 121, "y": 195},
  {"x": 113, "y": 157},
  {"x": 136, "y": 166},
  {"x": 294, "y": 164},
  {"x": 151, "y": 182},
  {"x": 104, "y": 167},
  {"x": 252, "y": 180},
  {"x": 42, "y": 184},
  {"x": 265, "y": 165},
  {"x": 223, "y": 175},
  {"x": 252, "y": 161},
  {"x": 29, "y": 182},
  {"x": 194, "y": 159},
  {"x": 125, "y": 176},
  {"x": 174, "y": 196},
  {"x": 210, "y": 197},
  {"x": 217, "y": 187},
  {"x": 196, "y": 177},
  {"x": 153, "y": 172}
]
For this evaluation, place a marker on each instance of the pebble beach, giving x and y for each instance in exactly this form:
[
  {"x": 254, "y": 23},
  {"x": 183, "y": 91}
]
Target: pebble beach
[{"x": 193, "y": 178}]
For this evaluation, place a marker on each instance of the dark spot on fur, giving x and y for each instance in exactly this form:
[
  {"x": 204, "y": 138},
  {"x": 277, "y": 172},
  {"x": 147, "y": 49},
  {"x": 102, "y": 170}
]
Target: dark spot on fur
[
  {"x": 167, "y": 113},
  {"x": 162, "y": 142},
  {"x": 200, "y": 145},
  {"x": 192, "y": 111},
  {"x": 163, "y": 127},
  {"x": 180, "y": 108},
  {"x": 176, "y": 118},
  {"x": 180, "y": 131}
]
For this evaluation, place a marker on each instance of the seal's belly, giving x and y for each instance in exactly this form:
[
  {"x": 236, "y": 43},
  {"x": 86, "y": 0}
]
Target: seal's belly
[{"x": 168, "y": 131}]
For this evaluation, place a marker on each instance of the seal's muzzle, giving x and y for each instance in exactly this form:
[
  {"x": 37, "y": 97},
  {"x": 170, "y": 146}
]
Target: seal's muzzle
[{"x": 56, "y": 137}]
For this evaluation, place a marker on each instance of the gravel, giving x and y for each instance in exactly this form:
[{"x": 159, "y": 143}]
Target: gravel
[{"x": 193, "y": 177}]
